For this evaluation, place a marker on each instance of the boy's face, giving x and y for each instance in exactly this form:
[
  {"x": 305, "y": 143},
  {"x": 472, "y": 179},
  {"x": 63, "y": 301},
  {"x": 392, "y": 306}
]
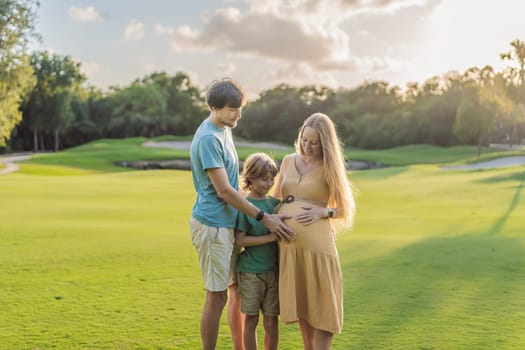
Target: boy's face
[
  {"x": 226, "y": 116},
  {"x": 262, "y": 185}
]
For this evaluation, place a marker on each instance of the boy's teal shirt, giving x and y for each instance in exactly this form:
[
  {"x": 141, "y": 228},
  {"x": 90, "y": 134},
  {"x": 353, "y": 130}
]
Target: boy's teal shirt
[
  {"x": 261, "y": 258},
  {"x": 212, "y": 147}
]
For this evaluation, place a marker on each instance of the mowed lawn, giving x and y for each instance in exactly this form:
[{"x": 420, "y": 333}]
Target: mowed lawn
[{"x": 97, "y": 259}]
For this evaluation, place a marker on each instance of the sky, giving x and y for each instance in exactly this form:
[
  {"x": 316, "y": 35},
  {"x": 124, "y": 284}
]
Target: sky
[{"x": 262, "y": 43}]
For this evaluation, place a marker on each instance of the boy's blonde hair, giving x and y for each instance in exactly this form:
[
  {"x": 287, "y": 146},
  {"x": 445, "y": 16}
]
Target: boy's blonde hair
[{"x": 257, "y": 165}]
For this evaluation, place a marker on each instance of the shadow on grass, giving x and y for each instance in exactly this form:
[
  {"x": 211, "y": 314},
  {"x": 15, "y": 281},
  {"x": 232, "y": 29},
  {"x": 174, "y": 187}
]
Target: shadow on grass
[
  {"x": 516, "y": 176},
  {"x": 519, "y": 179},
  {"x": 437, "y": 293},
  {"x": 440, "y": 292},
  {"x": 496, "y": 229}
]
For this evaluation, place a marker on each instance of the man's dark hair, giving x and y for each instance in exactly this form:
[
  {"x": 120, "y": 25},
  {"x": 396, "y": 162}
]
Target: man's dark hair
[{"x": 226, "y": 92}]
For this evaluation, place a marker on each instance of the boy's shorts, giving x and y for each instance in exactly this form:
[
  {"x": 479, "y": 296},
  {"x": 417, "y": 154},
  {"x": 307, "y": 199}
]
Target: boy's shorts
[
  {"x": 259, "y": 291},
  {"x": 214, "y": 246}
]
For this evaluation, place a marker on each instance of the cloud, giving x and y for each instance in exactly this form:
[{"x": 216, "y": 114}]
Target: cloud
[
  {"x": 226, "y": 69},
  {"x": 148, "y": 67},
  {"x": 90, "y": 68},
  {"x": 84, "y": 14},
  {"x": 232, "y": 31},
  {"x": 299, "y": 74},
  {"x": 134, "y": 31},
  {"x": 302, "y": 31},
  {"x": 162, "y": 29},
  {"x": 360, "y": 6}
]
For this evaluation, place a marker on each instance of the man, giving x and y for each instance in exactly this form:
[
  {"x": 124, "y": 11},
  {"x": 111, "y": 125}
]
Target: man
[{"x": 215, "y": 171}]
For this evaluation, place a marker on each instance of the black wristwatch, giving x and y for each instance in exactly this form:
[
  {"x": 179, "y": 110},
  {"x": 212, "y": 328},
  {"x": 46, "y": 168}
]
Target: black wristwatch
[
  {"x": 259, "y": 216},
  {"x": 331, "y": 212}
]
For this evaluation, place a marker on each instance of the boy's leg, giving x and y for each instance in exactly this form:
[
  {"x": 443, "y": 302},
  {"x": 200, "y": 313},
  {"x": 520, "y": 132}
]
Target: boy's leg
[
  {"x": 271, "y": 332},
  {"x": 270, "y": 310},
  {"x": 250, "y": 332},
  {"x": 235, "y": 319}
]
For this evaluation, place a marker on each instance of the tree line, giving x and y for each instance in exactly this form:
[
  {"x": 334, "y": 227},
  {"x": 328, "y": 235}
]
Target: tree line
[{"x": 46, "y": 102}]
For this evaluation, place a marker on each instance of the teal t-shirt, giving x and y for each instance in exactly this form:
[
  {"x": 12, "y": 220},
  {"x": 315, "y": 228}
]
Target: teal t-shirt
[
  {"x": 212, "y": 147},
  {"x": 261, "y": 258}
]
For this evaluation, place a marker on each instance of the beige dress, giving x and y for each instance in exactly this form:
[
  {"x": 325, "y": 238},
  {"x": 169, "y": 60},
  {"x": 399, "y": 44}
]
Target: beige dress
[{"x": 310, "y": 280}]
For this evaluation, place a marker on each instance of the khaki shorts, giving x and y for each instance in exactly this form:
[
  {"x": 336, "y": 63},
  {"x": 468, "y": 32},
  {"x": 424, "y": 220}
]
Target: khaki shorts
[
  {"x": 259, "y": 291},
  {"x": 214, "y": 246},
  {"x": 233, "y": 264}
]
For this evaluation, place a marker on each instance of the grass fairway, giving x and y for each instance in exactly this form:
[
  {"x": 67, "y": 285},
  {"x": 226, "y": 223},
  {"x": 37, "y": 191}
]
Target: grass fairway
[{"x": 93, "y": 258}]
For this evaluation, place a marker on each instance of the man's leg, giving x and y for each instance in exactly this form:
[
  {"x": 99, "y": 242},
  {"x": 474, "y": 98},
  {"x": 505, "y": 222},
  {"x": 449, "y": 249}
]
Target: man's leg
[{"x": 211, "y": 317}]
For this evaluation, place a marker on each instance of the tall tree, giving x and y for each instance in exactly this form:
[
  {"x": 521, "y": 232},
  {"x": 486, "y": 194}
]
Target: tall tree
[
  {"x": 138, "y": 110},
  {"x": 48, "y": 106},
  {"x": 475, "y": 116},
  {"x": 16, "y": 28},
  {"x": 516, "y": 87},
  {"x": 518, "y": 56}
]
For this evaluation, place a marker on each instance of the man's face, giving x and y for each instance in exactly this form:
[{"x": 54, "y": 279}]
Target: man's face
[{"x": 227, "y": 116}]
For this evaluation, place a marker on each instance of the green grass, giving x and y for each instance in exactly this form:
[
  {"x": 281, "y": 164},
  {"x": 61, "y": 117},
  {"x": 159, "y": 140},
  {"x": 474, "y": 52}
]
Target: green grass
[
  {"x": 422, "y": 154},
  {"x": 100, "y": 258},
  {"x": 2, "y": 166},
  {"x": 99, "y": 156}
]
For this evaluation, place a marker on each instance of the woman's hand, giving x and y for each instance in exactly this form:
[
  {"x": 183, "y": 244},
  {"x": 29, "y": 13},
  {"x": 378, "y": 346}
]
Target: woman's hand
[{"x": 311, "y": 215}]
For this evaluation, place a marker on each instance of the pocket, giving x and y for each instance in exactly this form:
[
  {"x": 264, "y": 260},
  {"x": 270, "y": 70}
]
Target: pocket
[
  {"x": 214, "y": 234},
  {"x": 199, "y": 232}
]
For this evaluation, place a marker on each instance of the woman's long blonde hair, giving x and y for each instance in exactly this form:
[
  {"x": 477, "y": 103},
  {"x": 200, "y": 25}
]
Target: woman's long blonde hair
[{"x": 341, "y": 195}]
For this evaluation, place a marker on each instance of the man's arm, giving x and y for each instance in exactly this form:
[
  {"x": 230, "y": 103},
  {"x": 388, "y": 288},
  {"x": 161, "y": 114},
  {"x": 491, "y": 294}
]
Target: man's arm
[{"x": 274, "y": 222}]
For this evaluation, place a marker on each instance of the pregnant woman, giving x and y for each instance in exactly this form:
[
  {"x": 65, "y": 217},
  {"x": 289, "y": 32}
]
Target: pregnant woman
[{"x": 316, "y": 193}]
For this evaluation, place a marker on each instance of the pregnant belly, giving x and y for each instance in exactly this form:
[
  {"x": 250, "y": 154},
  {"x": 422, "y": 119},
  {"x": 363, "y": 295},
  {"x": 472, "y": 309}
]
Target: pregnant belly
[{"x": 317, "y": 236}]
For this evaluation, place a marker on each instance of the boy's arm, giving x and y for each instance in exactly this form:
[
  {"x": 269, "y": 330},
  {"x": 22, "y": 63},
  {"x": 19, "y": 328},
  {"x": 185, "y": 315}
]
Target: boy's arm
[{"x": 244, "y": 240}]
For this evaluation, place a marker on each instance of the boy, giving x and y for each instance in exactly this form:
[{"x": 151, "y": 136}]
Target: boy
[{"x": 257, "y": 264}]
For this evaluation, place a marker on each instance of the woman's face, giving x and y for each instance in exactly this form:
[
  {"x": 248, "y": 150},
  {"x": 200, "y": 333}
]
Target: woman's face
[{"x": 311, "y": 143}]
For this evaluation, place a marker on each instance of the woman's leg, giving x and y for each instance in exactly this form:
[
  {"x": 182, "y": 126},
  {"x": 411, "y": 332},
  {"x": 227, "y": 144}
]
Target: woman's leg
[
  {"x": 235, "y": 318},
  {"x": 271, "y": 332},
  {"x": 250, "y": 332},
  {"x": 307, "y": 332},
  {"x": 322, "y": 339}
]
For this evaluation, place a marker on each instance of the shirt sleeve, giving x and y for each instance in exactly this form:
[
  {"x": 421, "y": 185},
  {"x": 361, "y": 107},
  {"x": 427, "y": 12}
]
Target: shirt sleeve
[
  {"x": 243, "y": 224},
  {"x": 211, "y": 153}
]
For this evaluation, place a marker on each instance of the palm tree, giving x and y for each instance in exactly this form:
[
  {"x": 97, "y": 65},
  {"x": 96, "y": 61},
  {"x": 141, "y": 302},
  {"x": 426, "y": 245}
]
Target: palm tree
[{"x": 518, "y": 56}]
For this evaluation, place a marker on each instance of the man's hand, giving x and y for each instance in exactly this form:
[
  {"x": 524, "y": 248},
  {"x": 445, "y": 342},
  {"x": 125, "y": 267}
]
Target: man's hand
[{"x": 274, "y": 223}]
